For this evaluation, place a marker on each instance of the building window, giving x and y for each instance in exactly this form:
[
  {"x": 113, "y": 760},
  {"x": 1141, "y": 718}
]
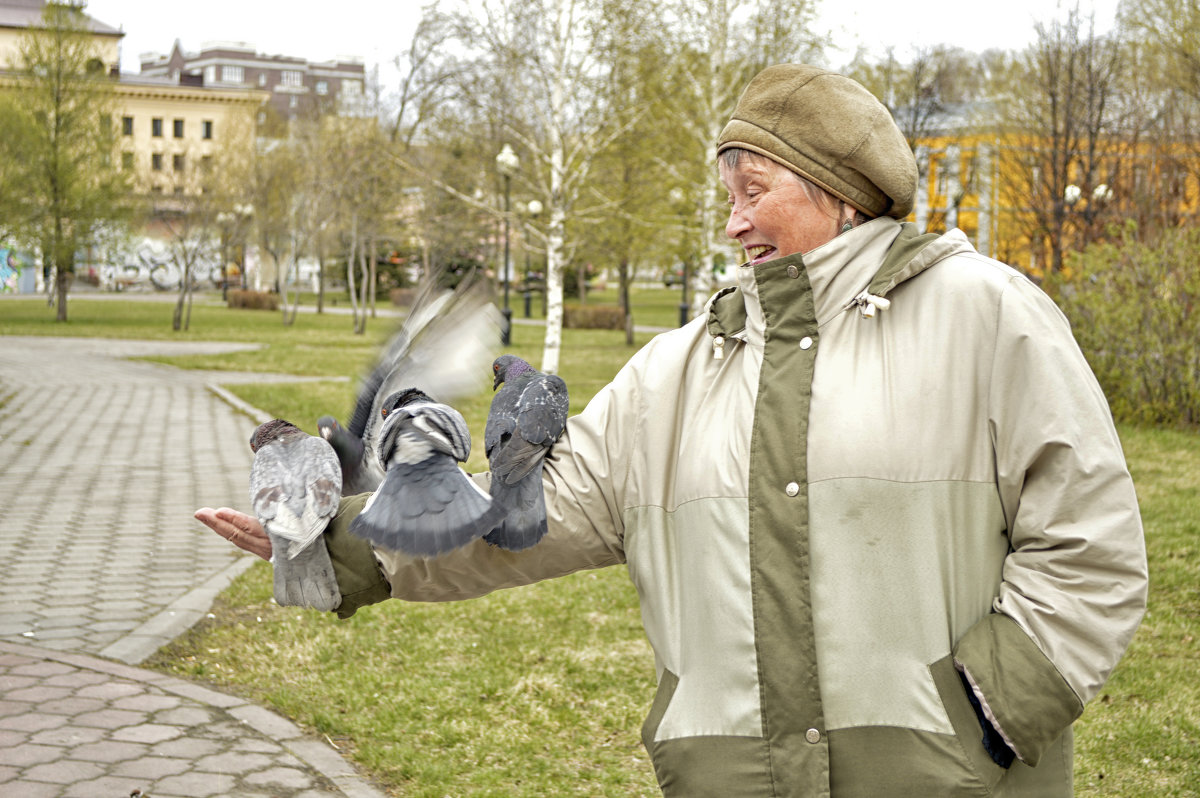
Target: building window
[
  {"x": 291, "y": 77},
  {"x": 127, "y": 125},
  {"x": 351, "y": 88},
  {"x": 293, "y": 101},
  {"x": 206, "y": 162},
  {"x": 322, "y": 87},
  {"x": 177, "y": 163},
  {"x": 210, "y": 75},
  {"x": 208, "y": 127},
  {"x": 127, "y": 161},
  {"x": 156, "y": 161},
  {"x": 156, "y": 127},
  {"x": 232, "y": 74},
  {"x": 262, "y": 78},
  {"x": 178, "y": 128}
]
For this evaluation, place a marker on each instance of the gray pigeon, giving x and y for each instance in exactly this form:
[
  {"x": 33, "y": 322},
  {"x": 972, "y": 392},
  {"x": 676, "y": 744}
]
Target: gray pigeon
[
  {"x": 426, "y": 505},
  {"x": 441, "y": 348},
  {"x": 295, "y": 487},
  {"x": 526, "y": 417}
]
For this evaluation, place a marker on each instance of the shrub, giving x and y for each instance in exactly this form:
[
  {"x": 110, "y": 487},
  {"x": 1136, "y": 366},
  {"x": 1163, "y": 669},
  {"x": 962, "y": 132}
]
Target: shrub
[
  {"x": 1133, "y": 309},
  {"x": 403, "y": 297},
  {"x": 253, "y": 300},
  {"x": 593, "y": 317}
]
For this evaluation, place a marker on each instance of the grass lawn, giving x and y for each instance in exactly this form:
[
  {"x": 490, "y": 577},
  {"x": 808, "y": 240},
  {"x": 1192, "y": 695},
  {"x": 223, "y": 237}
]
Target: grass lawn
[{"x": 541, "y": 690}]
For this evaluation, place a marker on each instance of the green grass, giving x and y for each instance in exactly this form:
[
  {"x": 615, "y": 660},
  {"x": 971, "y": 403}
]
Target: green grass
[{"x": 541, "y": 690}]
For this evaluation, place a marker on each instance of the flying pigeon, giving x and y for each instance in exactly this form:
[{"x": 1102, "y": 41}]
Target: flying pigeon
[
  {"x": 441, "y": 348},
  {"x": 426, "y": 505},
  {"x": 526, "y": 417},
  {"x": 295, "y": 486}
]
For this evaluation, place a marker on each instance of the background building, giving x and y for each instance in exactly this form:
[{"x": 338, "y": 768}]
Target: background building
[{"x": 296, "y": 87}]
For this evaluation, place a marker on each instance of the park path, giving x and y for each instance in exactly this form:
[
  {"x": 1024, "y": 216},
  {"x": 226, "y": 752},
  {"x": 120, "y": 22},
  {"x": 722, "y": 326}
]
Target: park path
[{"x": 103, "y": 459}]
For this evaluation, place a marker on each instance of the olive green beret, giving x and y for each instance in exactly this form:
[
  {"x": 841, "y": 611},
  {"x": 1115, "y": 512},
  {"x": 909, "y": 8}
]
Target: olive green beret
[{"x": 831, "y": 130}]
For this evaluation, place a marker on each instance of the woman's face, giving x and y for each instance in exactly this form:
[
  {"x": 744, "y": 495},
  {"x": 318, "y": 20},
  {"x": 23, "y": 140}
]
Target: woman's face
[{"x": 770, "y": 214}]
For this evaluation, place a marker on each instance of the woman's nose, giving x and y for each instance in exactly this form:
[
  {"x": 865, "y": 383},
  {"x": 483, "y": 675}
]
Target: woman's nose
[{"x": 737, "y": 224}]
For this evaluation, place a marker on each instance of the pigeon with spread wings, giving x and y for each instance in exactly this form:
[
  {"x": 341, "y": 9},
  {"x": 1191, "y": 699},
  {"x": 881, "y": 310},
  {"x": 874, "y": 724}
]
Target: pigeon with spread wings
[
  {"x": 426, "y": 505},
  {"x": 441, "y": 348}
]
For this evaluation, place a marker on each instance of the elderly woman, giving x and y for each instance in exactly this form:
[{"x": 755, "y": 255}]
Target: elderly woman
[{"x": 873, "y": 502}]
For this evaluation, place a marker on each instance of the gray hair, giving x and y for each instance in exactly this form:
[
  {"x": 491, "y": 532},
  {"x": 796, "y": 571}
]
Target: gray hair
[{"x": 815, "y": 194}]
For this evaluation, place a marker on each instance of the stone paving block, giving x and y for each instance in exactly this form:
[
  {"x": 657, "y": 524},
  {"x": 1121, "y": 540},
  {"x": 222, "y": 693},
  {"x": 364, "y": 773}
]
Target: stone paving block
[
  {"x": 233, "y": 762},
  {"x": 20, "y": 788},
  {"x": 32, "y": 722},
  {"x": 105, "y": 786},
  {"x": 30, "y": 754},
  {"x": 66, "y": 735},
  {"x": 152, "y": 768},
  {"x": 38, "y": 694},
  {"x": 71, "y": 705},
  {"x": 66, "y": 771},
  {"x": 108, "y": 691},
  {"x": 149, "y": 702},
  {"x": 110, "y": 718},
  {"x": 197, "y": 785},
  {"x": 289, "y": 778},
  {"x": 76, "y": 679},
  {"x": 147, "y": 733},
  {"x": 191, "y": 748},
  {"x": 108, "y": 751},
  {"x": 184, "y": 716}
]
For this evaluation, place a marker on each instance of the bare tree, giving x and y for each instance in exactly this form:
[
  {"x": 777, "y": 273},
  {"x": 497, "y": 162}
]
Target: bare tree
[{"x": 1058, "y": 114}]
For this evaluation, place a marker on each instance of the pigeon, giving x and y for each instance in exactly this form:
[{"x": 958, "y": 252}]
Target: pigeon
[
  {"x": 295, "y": 487},
  {"x": 441, "y": 348},
  {"x": 526, "y": 417},
  {"x": 426, "y": 505}
]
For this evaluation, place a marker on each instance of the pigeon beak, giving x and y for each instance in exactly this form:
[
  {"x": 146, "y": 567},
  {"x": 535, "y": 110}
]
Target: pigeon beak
[{"x": 496, "y": 383}]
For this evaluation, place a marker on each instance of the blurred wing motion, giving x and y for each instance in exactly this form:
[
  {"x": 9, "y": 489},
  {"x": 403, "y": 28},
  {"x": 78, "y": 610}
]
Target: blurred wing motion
[
  {"x": 526, "y": 417},
  {"x": 447, "y": 339},
  {"x": 426, "y": 505},
  {"x": 295, "y": 487}
]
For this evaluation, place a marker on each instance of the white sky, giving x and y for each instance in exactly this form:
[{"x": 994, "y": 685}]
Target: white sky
[{"x": 376, "y": 30}]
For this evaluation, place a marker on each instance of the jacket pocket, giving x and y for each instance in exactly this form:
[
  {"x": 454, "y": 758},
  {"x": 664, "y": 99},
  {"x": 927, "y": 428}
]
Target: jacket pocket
[
  {"x": 662, "y": 699},
  {"x": 965, "y": 722}
]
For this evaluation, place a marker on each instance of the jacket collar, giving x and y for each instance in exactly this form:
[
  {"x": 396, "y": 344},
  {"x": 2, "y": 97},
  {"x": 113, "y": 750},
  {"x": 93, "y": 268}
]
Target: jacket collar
[{"x": 872, "y": 259}]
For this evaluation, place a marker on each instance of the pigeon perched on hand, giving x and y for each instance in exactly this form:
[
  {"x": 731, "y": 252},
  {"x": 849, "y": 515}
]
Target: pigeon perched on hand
[
  {"x": 426, "y": 505},
  {"x": 295, "y": 487},
  {"x": 442, "y": 346},
  {"x": 527, "y": 415}
]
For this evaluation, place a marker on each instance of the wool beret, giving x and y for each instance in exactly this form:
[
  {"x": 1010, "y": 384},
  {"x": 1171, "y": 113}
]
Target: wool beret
[{"x": 829, "y": 129}]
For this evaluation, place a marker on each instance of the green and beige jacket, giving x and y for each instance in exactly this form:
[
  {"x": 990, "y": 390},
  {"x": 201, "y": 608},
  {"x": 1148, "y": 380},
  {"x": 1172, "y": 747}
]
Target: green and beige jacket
[{"x": 871, "y": 468}]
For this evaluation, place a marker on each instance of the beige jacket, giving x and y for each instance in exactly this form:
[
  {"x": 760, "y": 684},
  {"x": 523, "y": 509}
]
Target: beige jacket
[{"x": 845, "y": 483}]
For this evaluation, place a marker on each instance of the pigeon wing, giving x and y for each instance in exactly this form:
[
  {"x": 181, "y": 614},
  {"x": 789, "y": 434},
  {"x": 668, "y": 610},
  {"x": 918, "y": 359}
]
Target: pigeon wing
[{"x": 426, "y": 508}]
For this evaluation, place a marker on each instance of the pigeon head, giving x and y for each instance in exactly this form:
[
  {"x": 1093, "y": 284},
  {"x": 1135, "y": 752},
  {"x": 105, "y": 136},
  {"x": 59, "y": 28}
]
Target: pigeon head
[
  {"x": 507, "y": 367},
  {"x": 404, "y": 397},
  {"x": 328, "y": 426},
  {"x": 270, "y": 431}
]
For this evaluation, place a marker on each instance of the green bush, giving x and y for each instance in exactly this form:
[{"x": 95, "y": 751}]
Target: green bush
[
  {"x": 593, "y": 317},
  {"x": 253, "y": 300},
  {"x": 1133, "y": 308}
]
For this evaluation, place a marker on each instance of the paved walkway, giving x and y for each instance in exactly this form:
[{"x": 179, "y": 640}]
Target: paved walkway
[{"x": 102, "y": 462}]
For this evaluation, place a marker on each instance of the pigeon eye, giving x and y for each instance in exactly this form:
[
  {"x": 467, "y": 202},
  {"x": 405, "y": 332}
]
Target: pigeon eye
[{"x": 383, "y": 412}]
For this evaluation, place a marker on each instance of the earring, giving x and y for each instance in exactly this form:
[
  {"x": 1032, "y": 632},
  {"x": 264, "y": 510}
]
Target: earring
[{"x": 848, "y": 226}]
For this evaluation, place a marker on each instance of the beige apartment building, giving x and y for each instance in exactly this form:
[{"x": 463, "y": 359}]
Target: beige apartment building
[{"x": 171, "y": 125}]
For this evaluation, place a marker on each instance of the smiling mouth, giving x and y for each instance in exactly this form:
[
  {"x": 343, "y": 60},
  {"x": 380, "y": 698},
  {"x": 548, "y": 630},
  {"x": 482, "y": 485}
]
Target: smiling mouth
[{"x": 757, "y": 252}]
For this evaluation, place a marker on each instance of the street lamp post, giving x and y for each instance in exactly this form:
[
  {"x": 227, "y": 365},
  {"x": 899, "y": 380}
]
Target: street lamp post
[
  {"x": 534, "y": 208},
  {"x": 507, "y": 162}
]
